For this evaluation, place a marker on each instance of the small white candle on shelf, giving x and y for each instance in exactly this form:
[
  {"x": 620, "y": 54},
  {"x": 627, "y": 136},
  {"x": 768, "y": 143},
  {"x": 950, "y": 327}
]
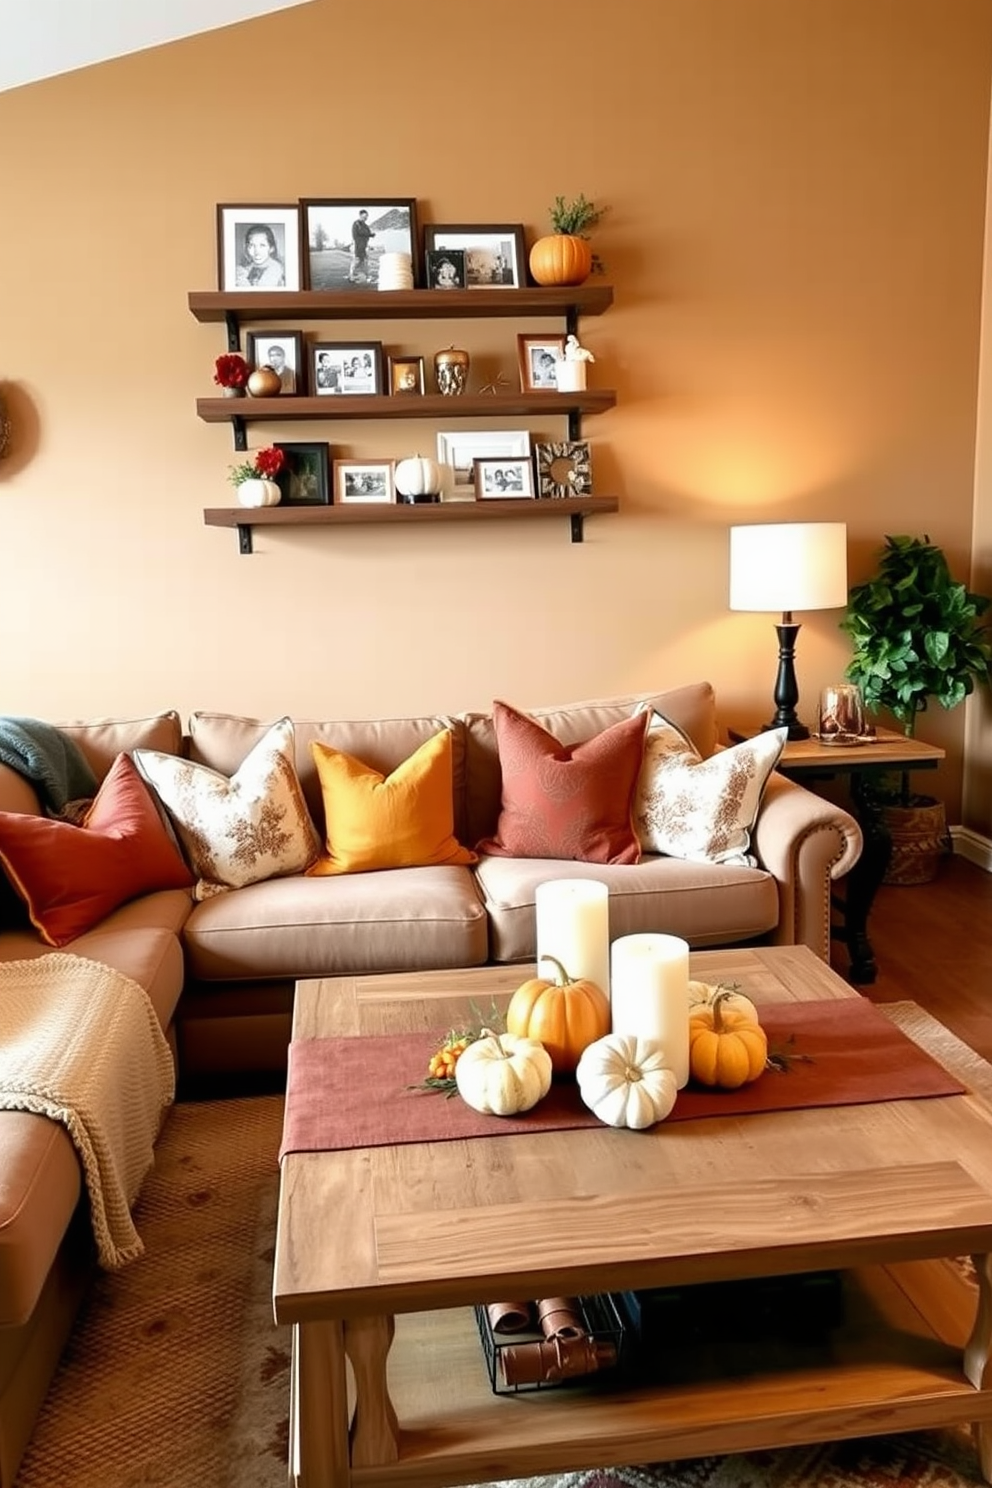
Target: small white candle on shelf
[
  {"x": 573, "y": 925},
  {"x": 650, "y": 994}
]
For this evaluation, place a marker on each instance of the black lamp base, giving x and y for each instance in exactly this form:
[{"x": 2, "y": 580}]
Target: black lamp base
[{"x": 786, "y": 694}]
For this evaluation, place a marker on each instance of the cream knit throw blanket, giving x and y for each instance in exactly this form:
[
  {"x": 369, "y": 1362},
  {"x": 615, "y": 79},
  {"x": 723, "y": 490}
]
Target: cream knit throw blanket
[{"x": 80, "y": 1043}]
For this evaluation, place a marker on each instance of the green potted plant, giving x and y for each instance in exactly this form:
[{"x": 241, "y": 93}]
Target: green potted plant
[{"x": 918, "y": 637}]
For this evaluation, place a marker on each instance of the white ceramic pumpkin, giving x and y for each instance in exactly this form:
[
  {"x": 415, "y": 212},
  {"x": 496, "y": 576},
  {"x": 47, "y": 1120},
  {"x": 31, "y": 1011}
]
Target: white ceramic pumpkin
[
  {"x": 703, "y": 994},
  {"x": 625, "y": 1081},
  {"x": 258, "y": 492},
  {"x": 418, "y": 475},
  {"x": 500, "y": 1074}
]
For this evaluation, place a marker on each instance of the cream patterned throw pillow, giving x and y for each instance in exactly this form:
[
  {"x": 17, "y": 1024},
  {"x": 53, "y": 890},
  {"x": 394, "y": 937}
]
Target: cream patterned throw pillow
[
  {"x": 241, "y": 830},
  {"x": 701, "y": 810}
]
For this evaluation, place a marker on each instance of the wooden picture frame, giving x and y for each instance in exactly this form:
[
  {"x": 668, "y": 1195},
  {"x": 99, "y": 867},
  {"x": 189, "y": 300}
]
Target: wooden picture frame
[
  {"x": 258, "y": 248},
  {"x": 501, "y": 479},
  {"x": 406, "y": 376},
  {"x": 305, "y": 479},
  {"x": 494, "y": 252},
  {"x": 370, "y": 481},
  {"x": 563, "y": 469},
  {"x": 537, "y": 358},
  {"x": 445, "y": 268},
  {"x": 336, "y": 257},
  {"x": 283, "y": 352},
  {"x": 350, "y": 368}
]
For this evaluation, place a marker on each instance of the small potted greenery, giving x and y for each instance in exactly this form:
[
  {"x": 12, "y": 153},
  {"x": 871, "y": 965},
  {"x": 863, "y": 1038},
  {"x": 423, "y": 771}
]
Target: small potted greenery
[
  {"x": 918, "y": 637},
  {"x": 564, "y": 255}
]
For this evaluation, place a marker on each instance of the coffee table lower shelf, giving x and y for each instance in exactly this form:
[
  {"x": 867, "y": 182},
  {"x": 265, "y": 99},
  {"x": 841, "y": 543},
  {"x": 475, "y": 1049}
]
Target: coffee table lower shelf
[{"x": 894, "y": 1364}]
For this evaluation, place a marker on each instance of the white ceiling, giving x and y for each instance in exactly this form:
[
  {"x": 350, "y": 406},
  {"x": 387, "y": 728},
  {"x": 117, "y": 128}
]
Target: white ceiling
[{"x": 45, "y": 37}]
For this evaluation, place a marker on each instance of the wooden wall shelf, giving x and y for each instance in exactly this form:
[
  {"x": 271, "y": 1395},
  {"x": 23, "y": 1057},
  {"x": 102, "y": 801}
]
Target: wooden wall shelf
[
  {"x": 399, "y": 304},
  {"x": 425, "y": 405},
  {"x": 575, "y": 508}
]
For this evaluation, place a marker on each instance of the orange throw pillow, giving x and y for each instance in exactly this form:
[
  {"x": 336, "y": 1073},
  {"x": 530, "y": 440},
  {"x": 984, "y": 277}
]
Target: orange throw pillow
[
  {"x": 72, "y": 877},
  {"x": 566, "y": 801},
  {"x": 402, "y": 820}
]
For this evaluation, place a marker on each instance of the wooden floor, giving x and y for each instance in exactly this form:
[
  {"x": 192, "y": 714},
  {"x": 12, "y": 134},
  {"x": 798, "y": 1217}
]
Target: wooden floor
[{"x": 933, "y": 946}]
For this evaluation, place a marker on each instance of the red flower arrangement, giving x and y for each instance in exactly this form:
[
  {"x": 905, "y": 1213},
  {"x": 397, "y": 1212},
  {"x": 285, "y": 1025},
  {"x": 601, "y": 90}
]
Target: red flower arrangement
[
  {"x": 231, "y": 370},
  {"x": 265, "y": 465}
]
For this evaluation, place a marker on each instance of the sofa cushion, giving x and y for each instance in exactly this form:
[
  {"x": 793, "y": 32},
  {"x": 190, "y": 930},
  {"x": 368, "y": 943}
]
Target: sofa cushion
[
  {"x": 398, "y": 919},
  {"x": 569, "y": 801},
  {"x": 71, "y": 877},
  {"x": 401, "y": 820},
  {"x": 706, "y": 904},
  {"x": 702, "y": 810},
  {"x": 102, "y": 740},
  {"x": 692, "y": 708},
  {"x": 221, "y": 740},
  {"x": 240, "y": 829}
]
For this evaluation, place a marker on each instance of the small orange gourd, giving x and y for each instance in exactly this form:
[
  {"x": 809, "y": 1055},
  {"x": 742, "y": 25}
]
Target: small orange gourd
[
  {"x": 565, "y": 1015},
  {"x": 726, "y": 1048}
]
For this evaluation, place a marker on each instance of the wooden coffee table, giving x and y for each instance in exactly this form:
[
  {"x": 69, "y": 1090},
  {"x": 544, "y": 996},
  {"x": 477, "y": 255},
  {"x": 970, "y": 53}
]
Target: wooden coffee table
[{"x": 380, "y": 1253}]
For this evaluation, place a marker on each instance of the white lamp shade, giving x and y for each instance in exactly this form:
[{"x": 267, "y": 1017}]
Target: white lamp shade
[{"x": 789, "y": 566}]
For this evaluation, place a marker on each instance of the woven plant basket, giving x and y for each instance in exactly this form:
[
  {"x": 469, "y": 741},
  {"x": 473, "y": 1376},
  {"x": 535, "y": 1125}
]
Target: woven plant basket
[{"x": 919, "y": 841}]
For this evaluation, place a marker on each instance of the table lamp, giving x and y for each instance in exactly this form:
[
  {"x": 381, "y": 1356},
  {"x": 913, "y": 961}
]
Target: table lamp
[{"x": 788, "y": 566}]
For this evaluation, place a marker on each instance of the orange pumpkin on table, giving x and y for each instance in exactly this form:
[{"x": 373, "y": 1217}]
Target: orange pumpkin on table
[
  {"x": 566, "y": 1015},
  {"x": 727, "y": 1048}
]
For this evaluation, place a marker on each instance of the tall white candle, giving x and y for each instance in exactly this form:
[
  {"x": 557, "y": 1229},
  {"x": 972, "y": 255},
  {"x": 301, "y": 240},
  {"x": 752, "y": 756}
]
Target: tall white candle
[
  {"x": 650, "y": 982},
  {"x": 573, "y": 925}
]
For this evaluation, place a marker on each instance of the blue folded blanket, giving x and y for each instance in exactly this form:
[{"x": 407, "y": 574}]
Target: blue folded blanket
[{"x": 54, "y": 763}]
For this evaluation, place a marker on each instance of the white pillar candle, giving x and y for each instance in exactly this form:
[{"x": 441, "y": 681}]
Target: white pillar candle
[
  {"x": 573, "y": 925},
  {"x": 650, "y": 998}
]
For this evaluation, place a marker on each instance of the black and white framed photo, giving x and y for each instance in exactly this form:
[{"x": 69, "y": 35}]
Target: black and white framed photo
[
  {"x": 406, "y": 375},
  {"x": 458, "y": 449},
  {"x": 344, "y": 240},
  {"x": 564, "y": 469},
  {"x": 538, "y": 358},
  {"x": 283, "y": 352},
  {"x": 445, "y": 268},
  {"x": 501, "y": 479},
  {"x": 364, "y": 480},
  {"x": 494, "y": 252},
  {"x": 258, "y": 247},
  {"x": 305, "y": 479},
  {"x": 345, "y": 367}
]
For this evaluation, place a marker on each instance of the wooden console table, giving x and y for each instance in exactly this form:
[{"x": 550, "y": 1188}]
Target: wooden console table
[{"x": 807, "y": 760}]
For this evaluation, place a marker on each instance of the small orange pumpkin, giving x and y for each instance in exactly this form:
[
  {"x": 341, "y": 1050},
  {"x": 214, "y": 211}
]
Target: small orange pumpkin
[
  {"x": 726, "y": 1048},
  {"x": 561, "y": 258},
  {"x": 565, "y": 1015}
]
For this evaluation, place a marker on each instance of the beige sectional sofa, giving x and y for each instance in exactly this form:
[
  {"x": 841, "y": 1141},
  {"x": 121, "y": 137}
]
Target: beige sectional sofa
[{"x": 220, "y": 972}]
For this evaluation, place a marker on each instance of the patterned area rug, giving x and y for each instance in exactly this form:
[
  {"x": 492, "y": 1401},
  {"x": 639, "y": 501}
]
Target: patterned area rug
[{"x": 176, "y": 1376}]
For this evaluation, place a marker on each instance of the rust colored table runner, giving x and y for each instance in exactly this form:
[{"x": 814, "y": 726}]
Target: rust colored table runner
[{"x": 355, "y": 1092}]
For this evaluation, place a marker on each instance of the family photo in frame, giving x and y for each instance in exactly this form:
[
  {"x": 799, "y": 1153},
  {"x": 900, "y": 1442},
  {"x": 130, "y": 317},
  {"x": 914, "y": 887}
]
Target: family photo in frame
[
  {"x": 346, "y": 367},
  {"x": 364, "y": 480},
  {"x": 258, "y": 247},
  {"x": 283, "y": 352},
  {"x": 538, "y": 358},
  {"x": 502, "y": 479},
  {"x": 344, "y": 240},
  {"x": 494, "y": 253}
]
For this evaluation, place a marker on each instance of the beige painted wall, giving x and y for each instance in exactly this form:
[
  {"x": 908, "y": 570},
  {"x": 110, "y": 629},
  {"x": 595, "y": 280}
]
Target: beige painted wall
[{"x": 795, "y": 237}]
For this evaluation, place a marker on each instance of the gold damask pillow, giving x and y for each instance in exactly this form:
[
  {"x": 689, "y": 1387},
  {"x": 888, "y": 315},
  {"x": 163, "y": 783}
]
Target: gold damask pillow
[
  {"x": 241, "y": 830},
  {"x": 698, "y": 809}
]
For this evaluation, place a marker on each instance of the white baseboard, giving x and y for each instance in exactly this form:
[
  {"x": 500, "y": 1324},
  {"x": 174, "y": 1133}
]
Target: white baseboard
[{"x": 973, "y": 846}]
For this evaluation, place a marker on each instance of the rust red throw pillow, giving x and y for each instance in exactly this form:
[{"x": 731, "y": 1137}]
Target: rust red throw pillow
[
  {"x": 566, "y": 801},
  {"x": 72, "y": 877}
]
